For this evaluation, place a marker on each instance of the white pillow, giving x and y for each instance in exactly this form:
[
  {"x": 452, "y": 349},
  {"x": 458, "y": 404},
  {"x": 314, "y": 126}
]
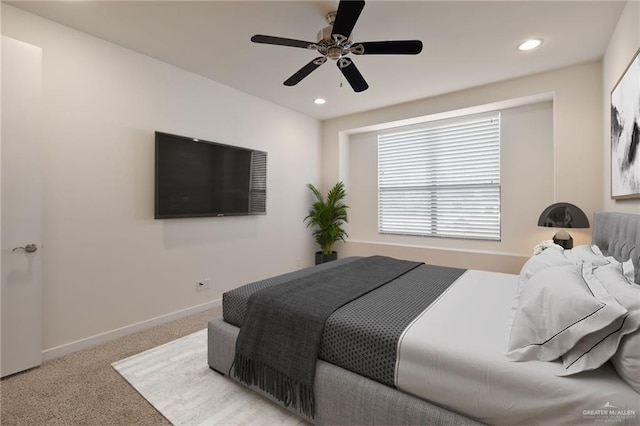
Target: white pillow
[
  {"x": 597, "y": 348},
  {"x": 629, "y": 271},
  {"x": 627, "y": 267},
  {"x": 559, "y": 306},
  {"x": 585, "y": 253},
  {"x": 612, "y": 275},
  {"x": 552, "y": 256},
  {"x": 627, "y": 360}
]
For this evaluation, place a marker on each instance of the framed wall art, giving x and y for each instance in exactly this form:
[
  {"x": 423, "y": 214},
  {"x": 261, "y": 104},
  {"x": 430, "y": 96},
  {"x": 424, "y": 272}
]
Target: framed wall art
[{"x": 625, "y": 133}]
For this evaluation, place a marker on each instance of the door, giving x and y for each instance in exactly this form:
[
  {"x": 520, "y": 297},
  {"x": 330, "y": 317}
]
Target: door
[{"x": 21, "y": 207}]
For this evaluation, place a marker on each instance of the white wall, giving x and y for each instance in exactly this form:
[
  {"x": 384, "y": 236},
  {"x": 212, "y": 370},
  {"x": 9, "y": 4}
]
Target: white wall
[
  {"x": 577, "y": 171},
  {"x": 622, "y": 48},
  {"x": 107, "y": 262}
]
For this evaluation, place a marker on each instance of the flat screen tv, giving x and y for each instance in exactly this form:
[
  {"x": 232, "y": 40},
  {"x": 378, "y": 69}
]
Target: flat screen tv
[{"x": 197, "y": 178}]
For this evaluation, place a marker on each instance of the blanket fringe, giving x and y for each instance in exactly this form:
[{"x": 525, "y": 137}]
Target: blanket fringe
[{"x": 280, "y": 386}]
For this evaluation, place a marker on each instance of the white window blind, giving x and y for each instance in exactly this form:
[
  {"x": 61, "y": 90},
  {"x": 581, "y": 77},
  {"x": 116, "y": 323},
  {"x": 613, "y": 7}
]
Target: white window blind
[{"x": 441, "y": 179}]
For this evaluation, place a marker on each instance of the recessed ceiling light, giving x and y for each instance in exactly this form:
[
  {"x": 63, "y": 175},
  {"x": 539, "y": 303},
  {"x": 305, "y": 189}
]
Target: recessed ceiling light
[
  {"x": 319, "y": 101},
  {"x": 530, "y": 44}
]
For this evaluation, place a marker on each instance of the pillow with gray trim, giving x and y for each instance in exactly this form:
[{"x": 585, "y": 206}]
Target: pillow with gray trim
[
  {"x": 558, "y": 306},
  {"x": 597, "y": 348}
]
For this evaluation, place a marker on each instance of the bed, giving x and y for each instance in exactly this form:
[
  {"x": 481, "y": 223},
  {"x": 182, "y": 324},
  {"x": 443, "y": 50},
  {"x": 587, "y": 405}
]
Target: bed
[{"x": 449, "y": 364}]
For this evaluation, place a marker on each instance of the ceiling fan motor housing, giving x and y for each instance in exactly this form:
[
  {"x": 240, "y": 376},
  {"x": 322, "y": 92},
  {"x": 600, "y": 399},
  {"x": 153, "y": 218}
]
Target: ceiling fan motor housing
[
  {"x": 324, "y": 37},
  {"x": 336, "y": 46}
]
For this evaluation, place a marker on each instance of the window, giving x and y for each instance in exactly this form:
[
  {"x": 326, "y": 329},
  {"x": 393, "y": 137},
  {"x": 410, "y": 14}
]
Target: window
[{"x": 441, "y": 179}]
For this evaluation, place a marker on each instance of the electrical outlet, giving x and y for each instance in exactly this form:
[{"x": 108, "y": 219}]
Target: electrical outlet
[{"x": 202, "y": 285}]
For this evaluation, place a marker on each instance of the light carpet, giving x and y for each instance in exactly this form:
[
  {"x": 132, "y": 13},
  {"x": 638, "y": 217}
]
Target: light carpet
[{"x": 176, "y": 379}]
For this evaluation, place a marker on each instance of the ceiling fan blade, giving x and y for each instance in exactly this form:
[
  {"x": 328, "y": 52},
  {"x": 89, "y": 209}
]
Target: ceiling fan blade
[
  {"x": 351, "y": 73},
  {"x": 346, "y": 17},
  {"x": 397, "y": 47},
  {"x": 279, "y": 41},
  {"x": 305, "y": 71}
]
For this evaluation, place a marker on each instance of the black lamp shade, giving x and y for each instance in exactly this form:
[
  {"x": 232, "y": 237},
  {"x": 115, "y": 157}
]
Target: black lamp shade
[{"x": 563, "y": 215}]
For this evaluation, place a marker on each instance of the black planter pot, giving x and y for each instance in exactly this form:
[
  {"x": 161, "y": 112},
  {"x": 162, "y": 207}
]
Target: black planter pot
[{"x": 323, "y": 258}]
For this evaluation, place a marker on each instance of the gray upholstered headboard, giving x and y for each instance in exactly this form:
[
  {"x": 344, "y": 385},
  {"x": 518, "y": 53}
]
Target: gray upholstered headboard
[{"x": 618, "y": 235}]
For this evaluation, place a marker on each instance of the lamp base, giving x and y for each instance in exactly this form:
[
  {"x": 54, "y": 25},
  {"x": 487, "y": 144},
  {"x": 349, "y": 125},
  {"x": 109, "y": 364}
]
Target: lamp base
[{"x": 563, "y": 239}]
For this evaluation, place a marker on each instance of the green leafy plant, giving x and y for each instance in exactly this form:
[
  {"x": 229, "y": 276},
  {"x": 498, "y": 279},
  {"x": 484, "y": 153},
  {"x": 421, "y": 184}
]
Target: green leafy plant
[{"x": 328, "y": 216}]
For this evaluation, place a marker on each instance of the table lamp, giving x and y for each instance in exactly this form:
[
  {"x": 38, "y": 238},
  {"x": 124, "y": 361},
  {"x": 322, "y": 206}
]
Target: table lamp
[{"x": 563, "y": 215}]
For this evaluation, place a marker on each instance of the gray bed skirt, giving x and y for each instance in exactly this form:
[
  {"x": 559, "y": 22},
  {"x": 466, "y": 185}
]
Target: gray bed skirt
[{"x": 342, "y": 397}]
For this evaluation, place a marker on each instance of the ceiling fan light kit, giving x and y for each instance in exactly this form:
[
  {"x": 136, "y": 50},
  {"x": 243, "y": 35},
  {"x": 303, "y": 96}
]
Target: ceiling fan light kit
[{"x": 335, "y": 42}]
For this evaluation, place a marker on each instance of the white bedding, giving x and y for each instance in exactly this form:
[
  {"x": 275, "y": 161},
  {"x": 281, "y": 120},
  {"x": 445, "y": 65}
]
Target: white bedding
[{"x": 453, "y": 355}]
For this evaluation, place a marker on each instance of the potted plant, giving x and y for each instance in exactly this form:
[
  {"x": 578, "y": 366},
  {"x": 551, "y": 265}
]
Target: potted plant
[{"x": 327, "y": 216}]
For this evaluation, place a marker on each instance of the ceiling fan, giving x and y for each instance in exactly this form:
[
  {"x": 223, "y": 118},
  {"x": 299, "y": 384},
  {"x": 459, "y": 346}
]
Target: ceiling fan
[{"x": 334, "y": 42}]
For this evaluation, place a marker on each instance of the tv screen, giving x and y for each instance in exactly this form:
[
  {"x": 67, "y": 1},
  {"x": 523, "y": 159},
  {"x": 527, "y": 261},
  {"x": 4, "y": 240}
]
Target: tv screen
[{"x": 197, "y": 178}]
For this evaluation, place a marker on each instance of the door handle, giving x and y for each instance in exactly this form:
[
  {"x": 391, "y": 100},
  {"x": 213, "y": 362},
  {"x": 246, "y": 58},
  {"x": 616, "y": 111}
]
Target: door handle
[{"x": 29, "y": 248}]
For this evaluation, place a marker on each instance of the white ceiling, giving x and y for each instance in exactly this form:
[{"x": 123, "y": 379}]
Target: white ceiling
[{"x": 466, "y": 43}]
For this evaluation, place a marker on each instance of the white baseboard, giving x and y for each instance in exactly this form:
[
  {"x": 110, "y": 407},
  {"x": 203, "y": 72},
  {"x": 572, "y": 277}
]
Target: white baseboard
[{"x": 58, "y": 351}]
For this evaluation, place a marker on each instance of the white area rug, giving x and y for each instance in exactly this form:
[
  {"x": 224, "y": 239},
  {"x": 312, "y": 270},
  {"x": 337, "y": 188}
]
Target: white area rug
[{"x": 176, "y": 379}]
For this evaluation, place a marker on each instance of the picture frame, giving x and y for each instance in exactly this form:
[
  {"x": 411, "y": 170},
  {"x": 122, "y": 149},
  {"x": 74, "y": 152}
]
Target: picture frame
[{"x": 625, "y": 133}]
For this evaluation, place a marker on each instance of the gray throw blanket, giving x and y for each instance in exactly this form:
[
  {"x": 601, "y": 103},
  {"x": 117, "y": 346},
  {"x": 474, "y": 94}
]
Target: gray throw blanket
[{"x": 279, "y": 340}]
